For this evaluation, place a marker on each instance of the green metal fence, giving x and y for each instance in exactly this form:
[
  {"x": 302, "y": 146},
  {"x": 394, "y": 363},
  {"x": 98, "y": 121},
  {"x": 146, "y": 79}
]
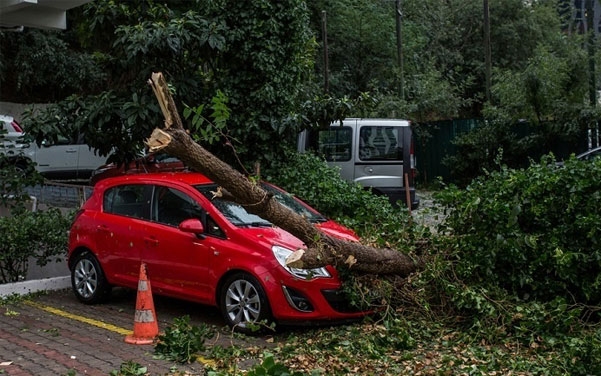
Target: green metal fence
[{"x": 433, "y": 142}]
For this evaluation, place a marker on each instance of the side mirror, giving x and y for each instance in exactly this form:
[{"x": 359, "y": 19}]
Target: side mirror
[{"x": 192, "y": 226}]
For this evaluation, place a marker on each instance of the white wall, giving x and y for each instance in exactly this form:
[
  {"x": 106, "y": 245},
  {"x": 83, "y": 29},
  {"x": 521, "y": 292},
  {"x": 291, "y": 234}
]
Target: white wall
[{"x": 16, "y": 110}]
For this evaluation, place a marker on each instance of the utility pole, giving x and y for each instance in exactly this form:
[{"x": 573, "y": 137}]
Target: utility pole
[
  {"x": 324, "y": 36},
  {"x": 487, "y": 50},
  {"x": 590, "y": 29},
  {"x": 399, "y": 45}
]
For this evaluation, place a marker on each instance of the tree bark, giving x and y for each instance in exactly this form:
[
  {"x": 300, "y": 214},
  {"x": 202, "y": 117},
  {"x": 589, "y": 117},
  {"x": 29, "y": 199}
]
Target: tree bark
[{"x": 321, "y": 249}]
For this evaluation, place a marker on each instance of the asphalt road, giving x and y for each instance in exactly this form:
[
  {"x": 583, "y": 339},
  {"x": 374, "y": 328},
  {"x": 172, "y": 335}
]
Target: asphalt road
[{"x": 54, "y": 334}]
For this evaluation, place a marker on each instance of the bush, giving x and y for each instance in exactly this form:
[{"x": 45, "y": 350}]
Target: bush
[
  {"x": 534, "y": 232},
  {"x": 41, "y": 235},
  {"x": 15, "y": 176},
  {"x": 311, "y": 179}
]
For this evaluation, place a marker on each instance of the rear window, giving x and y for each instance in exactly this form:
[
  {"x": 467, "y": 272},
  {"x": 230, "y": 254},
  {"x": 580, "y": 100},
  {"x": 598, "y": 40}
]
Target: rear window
[{"x": 128, "y": 200}]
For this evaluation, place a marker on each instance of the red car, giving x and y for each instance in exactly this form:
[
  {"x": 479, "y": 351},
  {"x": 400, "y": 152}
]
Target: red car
[{"x": 201, "y": 249}]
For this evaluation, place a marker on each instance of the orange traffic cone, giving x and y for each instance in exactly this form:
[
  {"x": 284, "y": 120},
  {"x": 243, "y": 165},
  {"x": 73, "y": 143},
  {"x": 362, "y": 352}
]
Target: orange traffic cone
[{"x": 145, "y": 323}]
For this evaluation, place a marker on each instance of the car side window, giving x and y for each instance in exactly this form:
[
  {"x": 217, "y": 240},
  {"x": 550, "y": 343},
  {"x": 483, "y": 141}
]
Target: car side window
[
  {"x": 128, "y": 200},
  {"x": 212, "y": 228},
  {"x": 335, "y": 144},
  {"x": 173, "y": 207},
  {"x": 60, "y": 140},
  {"x": 380, "y": 143}
]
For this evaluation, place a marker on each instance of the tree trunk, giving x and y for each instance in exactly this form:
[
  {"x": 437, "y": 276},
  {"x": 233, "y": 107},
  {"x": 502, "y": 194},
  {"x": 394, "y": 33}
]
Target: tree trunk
[{"x": 321, "y": 249}]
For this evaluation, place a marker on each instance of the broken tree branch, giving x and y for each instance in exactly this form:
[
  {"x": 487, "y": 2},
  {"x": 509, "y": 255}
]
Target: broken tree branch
[{"x": 321, "y": 249}]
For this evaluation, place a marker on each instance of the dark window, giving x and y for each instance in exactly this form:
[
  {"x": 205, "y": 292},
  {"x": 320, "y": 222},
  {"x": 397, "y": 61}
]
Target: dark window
[
  {"x": 233, "y": 212},
  {"x": 173, "y": 207},
  {"x": 212, "y": 228},
  {"x": 378, "y": 143},
  {"x": 128, "y": 200},
  {"x": 335, "y": 144}
]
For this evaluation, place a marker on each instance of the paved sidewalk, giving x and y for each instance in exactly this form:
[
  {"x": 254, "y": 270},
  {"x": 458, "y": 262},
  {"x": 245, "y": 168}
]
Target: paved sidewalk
[{"x": 53, "y": 334}]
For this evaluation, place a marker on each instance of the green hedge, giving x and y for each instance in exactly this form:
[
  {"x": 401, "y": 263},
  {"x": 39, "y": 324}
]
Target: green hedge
[
  {"x": 535, "y": 232},
  {"x": 41, "y": 235}
]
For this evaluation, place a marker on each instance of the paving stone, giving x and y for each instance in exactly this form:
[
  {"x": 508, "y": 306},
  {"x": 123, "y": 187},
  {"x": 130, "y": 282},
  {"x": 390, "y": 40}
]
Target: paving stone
[{"x": 36, "y": 342}]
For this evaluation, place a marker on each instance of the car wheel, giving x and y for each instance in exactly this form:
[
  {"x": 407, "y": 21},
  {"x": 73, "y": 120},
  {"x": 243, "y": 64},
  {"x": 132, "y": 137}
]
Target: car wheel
[
  {"x": 87, "y": 279},
  {"x": 243, "y": 302}
]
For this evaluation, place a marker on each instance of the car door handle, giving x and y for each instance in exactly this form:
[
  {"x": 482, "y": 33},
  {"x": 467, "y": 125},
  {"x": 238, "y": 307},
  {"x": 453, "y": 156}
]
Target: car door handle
[
  {"x": 102, "y": 229},
  {"x": 71, "y": 150},
  {"x": 151, "y": 241}
]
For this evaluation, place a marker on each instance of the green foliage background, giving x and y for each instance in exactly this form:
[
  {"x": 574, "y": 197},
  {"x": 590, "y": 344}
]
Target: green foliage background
[
  {"x": 41, "y": 235},
  {"x": 534, "y": 232},
  {"x": 257, "y": 54},
  {"x": 267, "y": 59}
]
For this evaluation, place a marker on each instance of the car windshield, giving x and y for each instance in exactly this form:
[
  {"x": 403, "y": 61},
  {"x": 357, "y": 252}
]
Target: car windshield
[{"x": 240, "y": 217}]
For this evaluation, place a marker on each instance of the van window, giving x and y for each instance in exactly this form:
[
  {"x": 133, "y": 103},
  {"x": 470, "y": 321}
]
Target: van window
[
  {"x": 378, "y": 143},
  {"x": 335, "y": 144}
]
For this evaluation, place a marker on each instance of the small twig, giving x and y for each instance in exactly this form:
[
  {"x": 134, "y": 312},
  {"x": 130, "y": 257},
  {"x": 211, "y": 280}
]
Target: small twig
[{"x": 266, "y": 196}]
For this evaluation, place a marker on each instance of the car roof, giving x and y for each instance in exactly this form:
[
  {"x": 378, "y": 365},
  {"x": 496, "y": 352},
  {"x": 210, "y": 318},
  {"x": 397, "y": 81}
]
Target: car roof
[{"x": 185, "y": 177}]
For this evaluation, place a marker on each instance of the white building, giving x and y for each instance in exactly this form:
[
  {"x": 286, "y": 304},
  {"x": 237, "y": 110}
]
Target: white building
[{"x": 43, "y": 14}]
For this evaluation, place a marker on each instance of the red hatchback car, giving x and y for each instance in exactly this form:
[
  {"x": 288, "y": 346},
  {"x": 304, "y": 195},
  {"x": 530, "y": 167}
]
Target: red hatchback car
[{"x": 201, "y": 249}]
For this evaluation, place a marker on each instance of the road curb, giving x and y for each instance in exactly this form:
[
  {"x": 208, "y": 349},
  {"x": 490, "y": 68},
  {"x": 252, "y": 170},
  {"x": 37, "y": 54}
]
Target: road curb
[{"x": 28, "y": 287}]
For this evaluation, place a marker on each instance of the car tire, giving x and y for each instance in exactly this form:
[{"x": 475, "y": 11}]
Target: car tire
[
  {"x": 87, "y": 279},
  {"x": 243, "y": 302}
]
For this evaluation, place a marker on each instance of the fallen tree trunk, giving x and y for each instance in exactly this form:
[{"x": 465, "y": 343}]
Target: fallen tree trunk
[{"x": 321, "y": 248}]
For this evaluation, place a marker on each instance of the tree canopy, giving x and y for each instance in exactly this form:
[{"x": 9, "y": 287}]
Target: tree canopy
[
  {"x": 256, "y": 55},
  {"x": 262, "y": 64}
]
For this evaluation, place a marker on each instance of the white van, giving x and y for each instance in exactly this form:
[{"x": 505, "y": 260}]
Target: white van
[
  {"x": 67, "y": 158},
  {"x": 376, "y": 153}
]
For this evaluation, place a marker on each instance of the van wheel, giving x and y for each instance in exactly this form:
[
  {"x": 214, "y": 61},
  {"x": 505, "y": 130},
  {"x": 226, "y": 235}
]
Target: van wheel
[
  {"x": 243, "y": 302},
  {"x": 87, "y": 279}
]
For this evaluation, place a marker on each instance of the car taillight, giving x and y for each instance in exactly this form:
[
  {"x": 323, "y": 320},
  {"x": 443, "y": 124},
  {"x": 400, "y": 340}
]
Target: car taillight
[
  {"x": 412, "y": 160},
  {"x": 16, "y": 126}
]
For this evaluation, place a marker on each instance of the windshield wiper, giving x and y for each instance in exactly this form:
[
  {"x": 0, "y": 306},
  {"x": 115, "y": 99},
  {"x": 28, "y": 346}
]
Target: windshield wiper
[{"x": 256, "y": 224}]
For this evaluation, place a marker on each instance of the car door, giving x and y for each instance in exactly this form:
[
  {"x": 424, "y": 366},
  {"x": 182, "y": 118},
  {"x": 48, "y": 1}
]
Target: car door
[
  {"x": 380, "y": 156},
  {"x": 336, "y": 145},
  {"x": 56, "y": 159},
  {"x": 178, "y": 263},
  {"x": 121, "y": 230}
]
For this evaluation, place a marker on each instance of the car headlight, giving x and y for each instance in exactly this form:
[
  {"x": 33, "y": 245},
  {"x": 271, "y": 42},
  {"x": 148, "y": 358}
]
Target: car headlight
[{"x": 282, "y": 253}]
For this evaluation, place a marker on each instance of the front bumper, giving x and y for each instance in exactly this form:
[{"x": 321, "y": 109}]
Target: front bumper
[{"x": 295, "y": 301}]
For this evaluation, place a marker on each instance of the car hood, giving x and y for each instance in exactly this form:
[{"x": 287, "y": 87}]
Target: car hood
[
  {"x": 277, "y": 236},
  {"x": 338, "y": 231}
]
